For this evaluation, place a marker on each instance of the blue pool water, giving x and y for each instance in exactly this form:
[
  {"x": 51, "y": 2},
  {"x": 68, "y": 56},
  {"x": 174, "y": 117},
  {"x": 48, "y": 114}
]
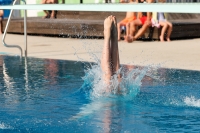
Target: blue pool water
[{"x": 45, "y": 95}]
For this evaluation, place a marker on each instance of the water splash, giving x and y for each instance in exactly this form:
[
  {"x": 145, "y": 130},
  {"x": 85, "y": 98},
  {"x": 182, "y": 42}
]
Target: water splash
[
  {"x": 101, "y": 95},
  {"x": 5, "y": 126},
  {"x": 95, "y": 89},
  {"x": 192, "y": 101},
  {"x": 128, "y": 87}
]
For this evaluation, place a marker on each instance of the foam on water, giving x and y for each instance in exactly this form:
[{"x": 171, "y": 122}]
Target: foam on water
[
  {"x": 4, "y": 126},
  {"x": 192, "y": 101}
]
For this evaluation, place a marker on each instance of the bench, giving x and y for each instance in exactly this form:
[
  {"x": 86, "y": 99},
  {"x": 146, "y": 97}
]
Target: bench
[{"x": 90, "y": 24}]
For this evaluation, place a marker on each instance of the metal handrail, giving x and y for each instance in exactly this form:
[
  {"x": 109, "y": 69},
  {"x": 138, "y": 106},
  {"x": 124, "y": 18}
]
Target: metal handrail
[
  {"x": 25, "y": 33},
  {"x": 25, "y": 29}
]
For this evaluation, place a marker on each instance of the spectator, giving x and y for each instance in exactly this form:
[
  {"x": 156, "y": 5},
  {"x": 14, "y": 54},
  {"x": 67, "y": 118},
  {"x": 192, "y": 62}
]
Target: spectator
[
  {"x": 50, "y": 14},
  {"x": 159, "y": 19},
  {"x": 1, "y": 19},
  {"x": 130, "y": 16},
  {"x": 144, "y": 20}
]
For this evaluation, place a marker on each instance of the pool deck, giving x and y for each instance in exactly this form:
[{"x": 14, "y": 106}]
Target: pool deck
[{"x": 178, "y": 54}]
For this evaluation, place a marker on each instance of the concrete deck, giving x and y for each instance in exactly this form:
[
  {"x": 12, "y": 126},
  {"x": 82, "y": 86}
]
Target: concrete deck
[{"x": 180, "y": 54}]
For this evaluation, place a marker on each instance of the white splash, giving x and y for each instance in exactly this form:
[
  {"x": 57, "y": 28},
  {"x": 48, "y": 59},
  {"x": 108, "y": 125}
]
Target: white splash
[
  {"x": 100, "y": 94},
  {"x": 100, "y": 97},
  {"x": 4, "y": 126},
  {"x": 192, "y": 101},
  {"x": 128, "y": 86}
]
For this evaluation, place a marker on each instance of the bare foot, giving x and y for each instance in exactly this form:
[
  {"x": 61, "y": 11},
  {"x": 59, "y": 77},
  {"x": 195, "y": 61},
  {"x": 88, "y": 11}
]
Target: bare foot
[
  {"x": 161, "y": 39},
  {"x": 168, "y": 39},
  {"x": 107, "y": 27},
  {"x": 130, "y": 39}
]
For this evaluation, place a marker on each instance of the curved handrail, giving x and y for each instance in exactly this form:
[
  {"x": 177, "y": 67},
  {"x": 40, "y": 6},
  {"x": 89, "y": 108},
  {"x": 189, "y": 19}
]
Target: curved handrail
[{"x": 5, "y": 32}]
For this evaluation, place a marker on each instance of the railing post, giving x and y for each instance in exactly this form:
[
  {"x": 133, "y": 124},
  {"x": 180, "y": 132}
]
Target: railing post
[
  {"x": 25, "y": 30},
  {"x": 5, "y": 32}
]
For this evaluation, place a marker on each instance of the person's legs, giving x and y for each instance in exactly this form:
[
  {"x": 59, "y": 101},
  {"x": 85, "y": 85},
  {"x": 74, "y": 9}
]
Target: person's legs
[
  {"x": 110, "y": 55},
  {"x": 114, "y": 47},
  {"x": 47, "y": 15},
  {"x": 119, "y": 25},
  {"x": 131, "y": 31},
  {"x": 53, "y": 13},
  {"x": 127, "y": 29},
  {"x": 1, "y": 24},
  {"x": 106, "y": 53},
  {"x": 1, "y": 19},
  {"x": 141, "y": 31},
  {"x": 169, "y": 30},
  {"x": 134, "y": 25},
  {"x": 164, "y": 28}
]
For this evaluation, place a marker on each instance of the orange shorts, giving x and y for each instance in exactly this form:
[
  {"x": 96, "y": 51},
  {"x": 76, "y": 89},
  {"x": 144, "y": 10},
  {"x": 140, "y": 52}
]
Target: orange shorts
[
  {"x": 143, "y": 19},
  {"x": 127, "y": 20}
]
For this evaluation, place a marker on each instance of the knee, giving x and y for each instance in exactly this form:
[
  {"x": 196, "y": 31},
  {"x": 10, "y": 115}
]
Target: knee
[
  {"x": 145, "y": 25},
  {"x": 148, "y": 23},
  {"x": 170, "y": 25},
  {"x": 165, "y": 25}
]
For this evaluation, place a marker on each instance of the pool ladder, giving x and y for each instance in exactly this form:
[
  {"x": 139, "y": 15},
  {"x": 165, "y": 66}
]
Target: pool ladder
[{"x": 25, "y": 31}]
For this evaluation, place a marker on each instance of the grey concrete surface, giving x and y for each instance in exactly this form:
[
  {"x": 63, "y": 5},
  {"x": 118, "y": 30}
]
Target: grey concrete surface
[{"x": 179, "y": 54}]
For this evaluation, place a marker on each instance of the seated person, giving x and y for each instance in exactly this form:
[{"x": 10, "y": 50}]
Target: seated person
[
  {"x": 159, "y": 19},
  {"x": 162, "y": 22},
  {"x": 110, "y": 55},
  {"x": 1, "y": 19},
  {"x": 165, "y": 25},
  {"x": 50, "y": 14},
  {"x": 130, "y": 16},
  {"x": 144, "y": 20}
]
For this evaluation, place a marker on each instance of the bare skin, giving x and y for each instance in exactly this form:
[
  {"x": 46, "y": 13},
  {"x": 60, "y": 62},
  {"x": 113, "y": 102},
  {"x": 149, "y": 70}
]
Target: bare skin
[
  {"x": 47, "y": 15},
  {"x": 165, "y": 25},
  {"x": 1, "y": 19},
  {"x": 131, "y": 37},
  {"x": 110, "y": 54},
  {"x": 121, "y": 23},
  {"x": 140, "y": 32}
]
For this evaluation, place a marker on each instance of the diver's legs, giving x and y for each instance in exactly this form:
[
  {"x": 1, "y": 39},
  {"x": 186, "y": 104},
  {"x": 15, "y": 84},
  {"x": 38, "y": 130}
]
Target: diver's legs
[
  {"x": 114, "y": 46},
  {"x": 106, "y": 53}
]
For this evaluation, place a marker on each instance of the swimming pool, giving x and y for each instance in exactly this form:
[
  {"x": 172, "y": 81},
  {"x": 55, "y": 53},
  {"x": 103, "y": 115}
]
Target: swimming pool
[{"x": 45, "y": 95}]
